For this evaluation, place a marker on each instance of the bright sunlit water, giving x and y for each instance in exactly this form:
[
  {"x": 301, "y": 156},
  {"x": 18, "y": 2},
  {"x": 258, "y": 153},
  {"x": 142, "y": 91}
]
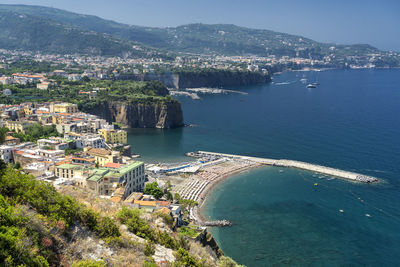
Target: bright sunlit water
[{"x": 351, "y": 121}]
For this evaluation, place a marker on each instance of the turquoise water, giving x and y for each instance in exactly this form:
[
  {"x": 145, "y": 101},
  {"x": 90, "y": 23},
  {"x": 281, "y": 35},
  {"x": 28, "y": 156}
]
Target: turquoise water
[{"x": 351, "y": 121}]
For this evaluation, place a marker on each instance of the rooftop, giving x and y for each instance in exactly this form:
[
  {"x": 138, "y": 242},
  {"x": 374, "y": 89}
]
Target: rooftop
[{"x": 69, "y": 166}]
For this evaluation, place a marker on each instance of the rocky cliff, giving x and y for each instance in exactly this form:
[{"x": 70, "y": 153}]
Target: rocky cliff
[
  {"x": 202, "y": 78},
  {"x": 220, "y": 78},
  {"x": 142, "y": 115}
]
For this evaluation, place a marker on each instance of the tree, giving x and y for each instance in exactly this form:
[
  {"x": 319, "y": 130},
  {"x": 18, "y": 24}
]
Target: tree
[
  {"x": 177, "y": 197},
  {"x": 169, "y": 196},
  {"x": 154, "y": 190},
  {"x": 3, "y": 134}
]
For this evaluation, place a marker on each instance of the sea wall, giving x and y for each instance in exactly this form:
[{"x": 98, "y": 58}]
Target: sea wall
[
  {"x": 141, "y": 115},
  {"x": 297, "y": 164}
]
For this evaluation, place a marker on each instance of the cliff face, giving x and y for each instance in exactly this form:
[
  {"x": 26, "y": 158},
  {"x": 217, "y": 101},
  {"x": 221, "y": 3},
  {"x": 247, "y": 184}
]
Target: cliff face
[
  {"x": 208, "y": 78},
  {"x": 220, "y": 79},
  {"x": 142, "y": 115}
]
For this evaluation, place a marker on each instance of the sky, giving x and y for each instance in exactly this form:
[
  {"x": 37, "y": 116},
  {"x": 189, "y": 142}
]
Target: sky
[{"x": 375, "y": 22}]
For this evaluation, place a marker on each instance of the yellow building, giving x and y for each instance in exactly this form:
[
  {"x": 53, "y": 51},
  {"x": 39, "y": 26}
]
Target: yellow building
[
  {"x": 65, "y": 108},
  {"x": 103, "y": 156},
  {"x": 114, "y": 136},
  {"x": 28, "y": 111},
  {"x": 56, "y": 119},
  {"x": 17, "y": 126}
]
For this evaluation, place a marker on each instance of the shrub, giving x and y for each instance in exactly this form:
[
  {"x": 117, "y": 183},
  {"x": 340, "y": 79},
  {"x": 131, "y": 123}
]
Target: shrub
[
  {"x": 107, "y": 228},
  {"x": 168, "y": 220},
  {"x": 224, "y": 261},
  {"x": 135, "y": 224},
  {"x": 183, "y": 258},
  {"x": 90, "y": 263},
  {"x": 88, "y": 217},
  {"x": 149, "y": 262},
  {"x": 149, "y": 248}
]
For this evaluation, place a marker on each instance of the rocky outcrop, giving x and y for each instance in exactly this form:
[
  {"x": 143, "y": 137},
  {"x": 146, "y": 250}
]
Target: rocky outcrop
[
  {"x": 206, "y": 239},
  {"x": 220, "y": 78},
  {"x": 142, "y": 115},
  {"x": 202, "y": 78}
]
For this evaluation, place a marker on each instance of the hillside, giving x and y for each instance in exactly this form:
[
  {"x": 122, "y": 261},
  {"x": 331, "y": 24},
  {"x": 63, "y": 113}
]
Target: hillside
[
  {"x": 40, "y": 226},
  {"x": 200, "y": 38},
  {"x": 34, "y": 33}
]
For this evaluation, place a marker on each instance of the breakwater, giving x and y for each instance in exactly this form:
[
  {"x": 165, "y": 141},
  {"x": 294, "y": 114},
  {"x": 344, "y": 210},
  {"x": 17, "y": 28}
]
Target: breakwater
[{"x": 295, "y": 164}]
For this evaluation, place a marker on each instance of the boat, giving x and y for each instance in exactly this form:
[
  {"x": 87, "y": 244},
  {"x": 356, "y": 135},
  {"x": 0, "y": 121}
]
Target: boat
[{"x": 311, "y": 85}]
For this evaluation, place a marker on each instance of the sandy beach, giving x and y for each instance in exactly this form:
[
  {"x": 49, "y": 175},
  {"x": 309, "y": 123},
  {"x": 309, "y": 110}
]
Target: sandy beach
[{"x": 197, "y": 186}]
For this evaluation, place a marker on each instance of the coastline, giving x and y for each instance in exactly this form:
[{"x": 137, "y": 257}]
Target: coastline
[
  {"x": 216, "y": 167},
  {"x": 198, "y": 210}
]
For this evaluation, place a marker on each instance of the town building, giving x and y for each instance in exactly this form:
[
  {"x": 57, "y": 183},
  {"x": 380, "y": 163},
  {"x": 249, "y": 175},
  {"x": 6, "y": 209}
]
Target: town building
[
  {"x": 112, "y": 136},
  {"x": 17, "y": 126},
  {"x": 6, "y": 153},
  {"x": 65, "y": 108},
  {"x": 103, "y": 156},
  {"x": 105, "y": 180}
]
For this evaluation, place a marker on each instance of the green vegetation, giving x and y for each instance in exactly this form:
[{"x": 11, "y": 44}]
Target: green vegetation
[
  {"x": 154, "y": 190},
  {"x": 70, "y": 151},
  {"x": 90, "y": 263},
  {"x": 183, "y": 258},
  {"x": 190, "y": 231},
  {"x": 131, "y": 218},
  {"x": 34, "y": 33},
  {"x": 31, "y": 65},
  {"x": 31, "y": 214},
  {"x": 35, "y": 132},
  {"x": 168, "y": 220},
  {"x": 187, "y": 203},
  {"x": 169, "y": 196},
  {"x": 225, "y": 261},
  {"x": 3, "y": 134},
  {"x": 149, "y": 248},
  {"x": 106, "y": 228},
  {"x": 67, "y": 32},
  {"x": 177, "y": 197},
  {"x": 70, "y": 91}
]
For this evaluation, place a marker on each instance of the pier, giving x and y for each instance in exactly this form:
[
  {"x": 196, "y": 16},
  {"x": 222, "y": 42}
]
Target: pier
[
  {"x": 294, "y": 164},
  {"x": 220, "y": 223}
]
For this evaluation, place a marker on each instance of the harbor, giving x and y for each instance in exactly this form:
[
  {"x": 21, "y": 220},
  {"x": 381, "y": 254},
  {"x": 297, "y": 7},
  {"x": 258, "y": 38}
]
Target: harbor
[
  {"x": 193, "y": 180},
  {"x": 297, "y": 164}
]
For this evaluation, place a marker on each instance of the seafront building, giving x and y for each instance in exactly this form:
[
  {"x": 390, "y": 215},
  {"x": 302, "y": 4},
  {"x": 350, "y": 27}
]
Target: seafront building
[
  {"x": 112, "y": 136},
  {"x": 105, "y": 180}
]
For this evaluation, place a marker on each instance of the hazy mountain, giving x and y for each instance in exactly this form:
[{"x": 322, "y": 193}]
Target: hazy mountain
[
  {"x": 193, "y": 38},
  {"x": 22, "y": 30}
]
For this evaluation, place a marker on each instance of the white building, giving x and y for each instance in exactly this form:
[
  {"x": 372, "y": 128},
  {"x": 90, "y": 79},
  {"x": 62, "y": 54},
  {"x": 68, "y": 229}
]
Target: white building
[
  {"x": 6, "y": 153},
  {"x": 7, "y": 92}
]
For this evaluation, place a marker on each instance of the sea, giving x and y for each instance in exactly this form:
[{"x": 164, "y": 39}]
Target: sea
[{"x": 289, "y": 217}]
